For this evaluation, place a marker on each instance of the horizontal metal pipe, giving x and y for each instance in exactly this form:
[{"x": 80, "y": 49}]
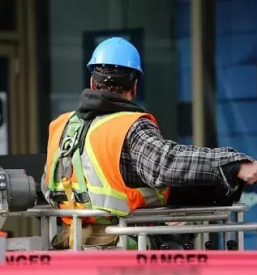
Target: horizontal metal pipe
[
  {"x": 48, "y": 211},
  {"x": 60, "y": 213},
  {"x": 168, "y": 218},
  {"x": 239, "y": 207},
  {"x": 186, "y": 229},
  {"x": 86, "y": 213}
]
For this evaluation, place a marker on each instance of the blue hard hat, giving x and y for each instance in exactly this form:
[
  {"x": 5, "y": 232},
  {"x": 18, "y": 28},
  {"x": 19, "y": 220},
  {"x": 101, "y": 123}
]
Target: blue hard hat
[{"x": 116, "y": 51}]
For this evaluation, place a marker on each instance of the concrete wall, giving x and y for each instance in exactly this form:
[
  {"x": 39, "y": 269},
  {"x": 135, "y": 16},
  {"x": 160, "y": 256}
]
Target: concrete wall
[{"x": 68, "y": 19}]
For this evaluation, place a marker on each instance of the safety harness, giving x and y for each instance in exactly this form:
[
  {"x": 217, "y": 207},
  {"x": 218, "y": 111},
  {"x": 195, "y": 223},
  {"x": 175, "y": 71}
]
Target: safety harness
[{"x": 67, "y": 158}]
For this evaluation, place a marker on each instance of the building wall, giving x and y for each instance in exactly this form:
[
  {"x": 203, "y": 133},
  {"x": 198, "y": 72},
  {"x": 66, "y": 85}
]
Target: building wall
[
  {"x": 236, "y": 93},
  {"x": 236, "y": 57},
  {"x": 68, "y": 19},
  {"x": 183, "y": 42},
  {"x": 237, "y": 74}
]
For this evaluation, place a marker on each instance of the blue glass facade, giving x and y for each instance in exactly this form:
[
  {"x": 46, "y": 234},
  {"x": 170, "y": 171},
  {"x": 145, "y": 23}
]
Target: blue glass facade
[
  {"x": 183, "y": 39},
  {"x": 236, "y": 80},
  {"x": 236, "y": 60}
]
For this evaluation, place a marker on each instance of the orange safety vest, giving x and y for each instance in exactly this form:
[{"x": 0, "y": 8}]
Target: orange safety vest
[{"x": 101, "y": 166}]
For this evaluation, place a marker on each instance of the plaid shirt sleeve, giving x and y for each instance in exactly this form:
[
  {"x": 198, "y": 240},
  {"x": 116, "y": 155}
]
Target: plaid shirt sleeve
[{"x": 160, "y": 163}]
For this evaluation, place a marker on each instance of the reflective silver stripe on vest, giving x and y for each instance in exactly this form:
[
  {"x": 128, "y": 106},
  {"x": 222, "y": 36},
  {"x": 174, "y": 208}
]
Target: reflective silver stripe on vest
[
  {"x": 100, "y": 200},
  {"x": 151, "y": 197},
  {"x": 108, "y": 202}
]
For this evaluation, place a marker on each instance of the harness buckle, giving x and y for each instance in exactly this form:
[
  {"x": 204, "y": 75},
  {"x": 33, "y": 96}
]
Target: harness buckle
[{"x": 68, "y": 144}]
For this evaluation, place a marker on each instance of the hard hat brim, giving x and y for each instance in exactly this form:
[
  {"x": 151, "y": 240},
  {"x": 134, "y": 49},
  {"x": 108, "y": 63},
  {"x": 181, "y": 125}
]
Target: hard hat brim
[{"x": 91, "y": 66}]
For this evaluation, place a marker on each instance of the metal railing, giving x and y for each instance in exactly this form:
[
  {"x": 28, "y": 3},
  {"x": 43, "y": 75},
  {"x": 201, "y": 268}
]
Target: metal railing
[{"x": 154, "y": 215}]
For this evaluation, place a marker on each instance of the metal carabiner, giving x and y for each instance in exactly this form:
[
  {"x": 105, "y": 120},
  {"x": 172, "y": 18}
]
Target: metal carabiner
[{"x": 68, "y": 142}]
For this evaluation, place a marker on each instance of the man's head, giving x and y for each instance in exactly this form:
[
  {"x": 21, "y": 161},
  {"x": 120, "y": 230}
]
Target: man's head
[
  {"x": 115, "y": 66},
  {"x": 119, "y": 80}
]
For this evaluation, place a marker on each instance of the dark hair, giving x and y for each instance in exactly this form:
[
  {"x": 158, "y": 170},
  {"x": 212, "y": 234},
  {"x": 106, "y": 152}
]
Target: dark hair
[{"x": 112, "y": 78}]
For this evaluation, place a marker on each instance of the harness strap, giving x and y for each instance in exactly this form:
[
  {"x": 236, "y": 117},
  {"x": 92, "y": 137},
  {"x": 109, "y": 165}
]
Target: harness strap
[
  {"x": 53, "y": 169},
  {"x": 66, "y": 182},
  {"x": 69, "y": 144},
  {"x": 68, "y": 158}
]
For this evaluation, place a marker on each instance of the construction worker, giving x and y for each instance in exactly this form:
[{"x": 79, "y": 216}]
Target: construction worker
[{"x": 109, "y": 154}]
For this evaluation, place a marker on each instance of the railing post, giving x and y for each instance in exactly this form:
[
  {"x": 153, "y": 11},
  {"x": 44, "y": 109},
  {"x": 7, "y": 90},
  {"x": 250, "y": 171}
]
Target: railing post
[
  {"x": 44, "y": 224},
  {"x": 142, "y": 241},
  {"x": 124, "y": 238},
  {"x": 52, "y": 228},
  {"x": 77, "y": 233},
  {"x": 240, "y": 234},
  {"x": 226, "y": 235}
]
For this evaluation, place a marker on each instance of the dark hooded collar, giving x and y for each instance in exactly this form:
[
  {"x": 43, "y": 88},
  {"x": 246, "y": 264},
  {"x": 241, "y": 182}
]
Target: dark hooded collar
[{"x": 95, "y": 103}]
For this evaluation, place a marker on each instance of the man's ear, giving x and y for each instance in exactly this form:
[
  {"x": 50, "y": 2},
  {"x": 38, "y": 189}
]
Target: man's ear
[
  {"x": 92, "y": 84},
  {"x": 134, "y": 90}
]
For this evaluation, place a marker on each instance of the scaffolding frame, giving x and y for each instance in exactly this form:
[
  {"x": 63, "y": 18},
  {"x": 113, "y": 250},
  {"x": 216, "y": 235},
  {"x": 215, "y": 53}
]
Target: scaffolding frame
[{"x": 139, "y": 217}]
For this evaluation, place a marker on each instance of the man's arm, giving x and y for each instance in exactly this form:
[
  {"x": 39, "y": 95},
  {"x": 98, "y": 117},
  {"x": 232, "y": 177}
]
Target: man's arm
[{"x": 161, "y": 163}]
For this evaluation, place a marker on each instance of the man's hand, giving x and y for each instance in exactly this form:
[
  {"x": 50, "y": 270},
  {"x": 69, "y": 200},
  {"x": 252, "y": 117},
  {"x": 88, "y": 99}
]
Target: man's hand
[{"x": 248, "y": 172}]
